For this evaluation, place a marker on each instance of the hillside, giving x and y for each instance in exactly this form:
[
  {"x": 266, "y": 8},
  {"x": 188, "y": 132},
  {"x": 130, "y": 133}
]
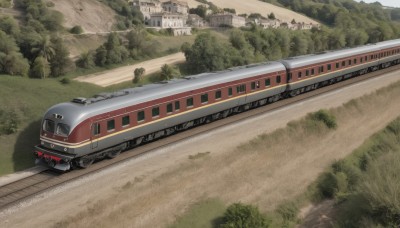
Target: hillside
[
  {"x": 256, "y": 6},
  {"x": 91, "y": 15}
]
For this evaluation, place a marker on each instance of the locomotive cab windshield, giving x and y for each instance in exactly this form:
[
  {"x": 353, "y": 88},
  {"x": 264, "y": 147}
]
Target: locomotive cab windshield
[{"x": 60, "y": 129}]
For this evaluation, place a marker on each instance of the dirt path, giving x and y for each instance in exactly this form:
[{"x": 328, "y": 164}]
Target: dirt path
[
  {"x": 257, "y": 6},
  {"x": 123, "y": 74},
  {"x": 152, "y": 190}
]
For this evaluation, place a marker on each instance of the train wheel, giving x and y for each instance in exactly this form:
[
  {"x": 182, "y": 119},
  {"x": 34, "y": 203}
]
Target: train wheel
[
  {"x": 113, "y": 154},
  {"x": 85, "y": 162}
]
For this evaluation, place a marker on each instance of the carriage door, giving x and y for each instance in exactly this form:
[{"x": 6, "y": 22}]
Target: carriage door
[{"x": 95, "y": 134}]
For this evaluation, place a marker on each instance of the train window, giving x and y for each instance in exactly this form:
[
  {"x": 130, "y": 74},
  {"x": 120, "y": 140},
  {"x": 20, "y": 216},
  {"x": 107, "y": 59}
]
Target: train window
[
  {"x": 218, "y": 94},
  {"x": 177, "y": 105},
  {"x": 299, "y": 74},
  {"x": 307, "y": 73},
  {"x": 350, "y": 62},
  {"x": 169, "y": 108},
  {"x": 361, "y": 60},
  {"x": 230, "y": 91},
  {"x": 267, "y": 82},
  {"x": 189, "y": 102},
  {"x": 140, "y": 116},
  {"x": 96, "y": 129},
  {"x": 366, "y": 58},
  {"x": 329, "y": 67},
  {"x": 110, "y": 125},
  {"x": 343, "y": 63},
  {"x": 289, "y": 78},
  {"x": 312, "y": 71},
  {"x": 278, "y": 79},
  {"x": 204, "y": 98},
  {"x": 321, "y": 69},
  {"x": 253, "y": 85},
  {"x": 155, "y": 112},
  {"x": 241, "y": 88},
  {"x": 125, "y": 121},
  {"x": 337, "y": 65},
  {"x": 355, "y": 61},
  {"x": 62, "y": 129},
  {"x": 48, "y": 125}
]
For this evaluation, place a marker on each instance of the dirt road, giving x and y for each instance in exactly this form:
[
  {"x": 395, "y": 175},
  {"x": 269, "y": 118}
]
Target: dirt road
[
  {"x": 152, "y": 190},
  {"x": 123, "y": 74}
]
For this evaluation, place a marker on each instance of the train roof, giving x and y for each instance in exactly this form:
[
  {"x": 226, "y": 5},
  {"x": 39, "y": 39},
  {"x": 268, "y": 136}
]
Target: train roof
[
  {"x": 388, "y": 44},
  {"x": 80, "y": 109},
  {"x": 306, "y": 60}
]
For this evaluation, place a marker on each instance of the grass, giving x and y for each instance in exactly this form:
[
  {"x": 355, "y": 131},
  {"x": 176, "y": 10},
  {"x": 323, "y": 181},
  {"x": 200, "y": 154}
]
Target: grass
[
  {"x": 203, "y": 214},
  {"x": 29, "y": 99}
]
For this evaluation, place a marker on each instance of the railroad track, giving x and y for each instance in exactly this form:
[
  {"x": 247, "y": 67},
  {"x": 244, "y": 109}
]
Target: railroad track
[{"x": 16, "y": 192}]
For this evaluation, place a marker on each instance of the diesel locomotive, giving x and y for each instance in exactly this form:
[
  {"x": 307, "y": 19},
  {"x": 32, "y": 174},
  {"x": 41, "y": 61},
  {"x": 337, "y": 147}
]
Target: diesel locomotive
[{"x": 76, "y": 133}]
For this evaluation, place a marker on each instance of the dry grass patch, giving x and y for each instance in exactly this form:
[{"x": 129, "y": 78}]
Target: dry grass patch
[{"x": 266, "y": 172}]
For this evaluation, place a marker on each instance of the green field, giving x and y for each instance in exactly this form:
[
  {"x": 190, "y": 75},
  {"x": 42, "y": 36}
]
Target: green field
[{"x": 29, "y": 99}]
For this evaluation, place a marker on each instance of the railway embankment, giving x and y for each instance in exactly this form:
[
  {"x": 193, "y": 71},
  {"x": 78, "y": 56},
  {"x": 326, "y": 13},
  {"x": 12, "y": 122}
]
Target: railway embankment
[{"x": 267, "y": 170}]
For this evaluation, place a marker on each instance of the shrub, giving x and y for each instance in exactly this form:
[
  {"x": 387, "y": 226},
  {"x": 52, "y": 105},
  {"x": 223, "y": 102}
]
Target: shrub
[
  {"x": 328, "y": 185},
  {"x": 9, "y": 122},
  {"x": 288, "y": 211},
  {"x": 138, "y": 74},
  {"x": 327, "y": 118},
  {"x": 241, "y": 216},
  {"x": 76, "y": 30},
  {"x": 65, "y": 81}
]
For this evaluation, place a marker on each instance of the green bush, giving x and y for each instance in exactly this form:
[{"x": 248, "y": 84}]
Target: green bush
[
  {"x": 288, "y": 211},
  {"x": 9, "y": 122},
  {"x": 239, "y": 215},
  {"x": 76, "y": 30},
  {"x": 327, "y": 185},
  {"x": 65, "y": 81},
  {"x": 327, "y": 118}
]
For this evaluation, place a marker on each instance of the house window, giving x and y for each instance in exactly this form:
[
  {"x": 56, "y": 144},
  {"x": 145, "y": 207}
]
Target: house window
[
  {"x": 96, "y": 129},
  {"x": 278, "y": 79},
  {"x": 140, "y": 116},
  {"x": 169, "y": 108},
  {"x": 204, "y": 98},
  {"x": 218, "y": 94},
  {"x": 110, "y": 125},
  {"x": 230, "y": 91},
  {"x": 125, "y": 121},
  {"x": 177, "y": 105},
  {"x": 267, "y": 82},
  {"x": 155, "y": 111},
  {"x": 189, "y": 102}
]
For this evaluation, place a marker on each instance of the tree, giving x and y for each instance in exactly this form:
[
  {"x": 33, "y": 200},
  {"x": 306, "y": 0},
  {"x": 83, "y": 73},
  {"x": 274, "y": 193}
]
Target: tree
[
  {"x": 76, "y": 30},
  {"x": 40, "y": 68},
  {"x": 239, "y": 215},
  {"x": 43, "y": 47},
  {"x": 60, "y": 63},
  {"x": 86, "y": 60},
  {"x": 167, "y": 72},
  {"x": 138, "y": 73},
  {"x": 11, "y": 61},
  {"x": 207, "y": 54},
  {"x": 271, "y": 16}
]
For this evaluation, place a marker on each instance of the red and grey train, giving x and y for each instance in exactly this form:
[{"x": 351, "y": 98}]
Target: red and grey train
[{"x": 76, "y": 133}]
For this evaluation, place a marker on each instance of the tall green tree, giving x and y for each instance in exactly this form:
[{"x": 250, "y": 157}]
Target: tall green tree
[
  {"x": 40, "y": 68},
  {"x": 60, "y": 63}
]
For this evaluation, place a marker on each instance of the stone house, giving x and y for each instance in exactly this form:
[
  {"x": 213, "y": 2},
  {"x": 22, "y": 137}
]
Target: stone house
[
  {"x": 147, "y": 7},
  {"x": 229, "y": 19},
  {"x": 174, "y": 6}
]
